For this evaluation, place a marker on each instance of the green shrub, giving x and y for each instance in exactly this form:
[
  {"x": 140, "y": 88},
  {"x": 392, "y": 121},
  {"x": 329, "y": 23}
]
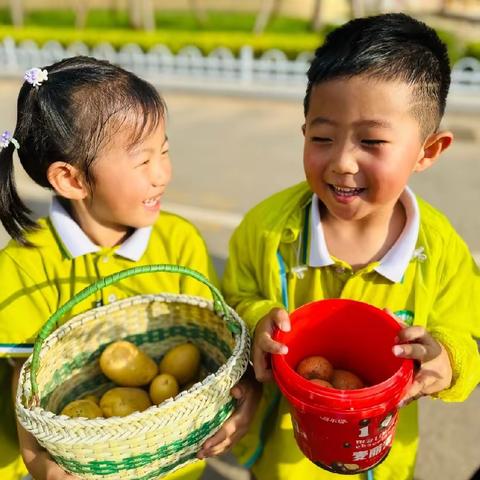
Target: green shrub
[
  {"x": 456, "y": 49},
  {"x": 473, "y": 50},
  {"x": 292, "y": 45}
]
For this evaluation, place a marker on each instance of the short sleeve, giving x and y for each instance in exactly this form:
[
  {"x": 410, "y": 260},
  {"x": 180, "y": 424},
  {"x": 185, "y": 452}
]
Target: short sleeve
[{"x": 23, "y": 308}]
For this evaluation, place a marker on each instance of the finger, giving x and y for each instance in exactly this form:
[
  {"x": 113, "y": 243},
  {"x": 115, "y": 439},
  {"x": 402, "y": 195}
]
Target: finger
[
  {"x": 261, "y": 366},
  {"x": 415, "y": 391},
  {"x": 414, "y": 351},
  {"x": 267, "y": 344},
  {"x": 281, "y": 320},
  {"x": 237, "y": 391},
  {"x": 218, "y": 449},
  {"x": 418, "y": 334},
  {"x": 209, "y": 444}
]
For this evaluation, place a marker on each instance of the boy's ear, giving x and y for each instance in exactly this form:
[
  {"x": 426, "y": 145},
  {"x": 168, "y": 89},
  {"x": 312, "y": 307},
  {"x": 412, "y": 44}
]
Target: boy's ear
[
  {"x": 303, "y": 129},
  {"x": 434, "y": 145},
  {"x": 67, "y": 181}
]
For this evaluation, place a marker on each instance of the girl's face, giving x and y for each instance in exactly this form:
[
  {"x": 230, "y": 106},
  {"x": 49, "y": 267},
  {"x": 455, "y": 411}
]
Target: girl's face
[{"x": 129, "y": 182}]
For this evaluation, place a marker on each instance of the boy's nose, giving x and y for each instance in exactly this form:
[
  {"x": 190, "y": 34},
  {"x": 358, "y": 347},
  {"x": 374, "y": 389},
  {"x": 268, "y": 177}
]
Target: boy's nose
[{"x": 344, "y": 161}]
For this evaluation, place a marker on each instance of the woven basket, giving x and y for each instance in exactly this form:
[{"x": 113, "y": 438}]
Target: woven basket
[{"x": 144, "y": 445}]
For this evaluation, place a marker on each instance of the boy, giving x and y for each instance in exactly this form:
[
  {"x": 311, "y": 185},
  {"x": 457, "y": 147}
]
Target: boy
[{"x": 376, "y": 94}]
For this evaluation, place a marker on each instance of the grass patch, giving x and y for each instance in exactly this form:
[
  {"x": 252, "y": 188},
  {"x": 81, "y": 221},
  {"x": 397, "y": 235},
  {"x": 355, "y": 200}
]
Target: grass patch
[{"x": 165, "y": 20}]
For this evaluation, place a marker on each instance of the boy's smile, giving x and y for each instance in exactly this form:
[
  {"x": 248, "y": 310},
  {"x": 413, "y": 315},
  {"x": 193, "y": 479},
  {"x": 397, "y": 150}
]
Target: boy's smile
[
  {"x": 362, "y": 143},
  {"x": 345, "y": 194}
]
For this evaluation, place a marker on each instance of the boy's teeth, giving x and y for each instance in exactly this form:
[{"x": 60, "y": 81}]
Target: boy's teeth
[{"x": 346, "y": 191}]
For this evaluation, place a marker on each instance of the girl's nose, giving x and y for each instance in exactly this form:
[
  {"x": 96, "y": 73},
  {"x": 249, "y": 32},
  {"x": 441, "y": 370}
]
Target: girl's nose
[{"x": 160, "y": 171}]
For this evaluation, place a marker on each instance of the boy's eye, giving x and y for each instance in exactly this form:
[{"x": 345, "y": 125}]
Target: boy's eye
[
  {"x": 165, "y": 152},
  {"x": 321, "y": 139},
  {"x": 371, "y": 142}
]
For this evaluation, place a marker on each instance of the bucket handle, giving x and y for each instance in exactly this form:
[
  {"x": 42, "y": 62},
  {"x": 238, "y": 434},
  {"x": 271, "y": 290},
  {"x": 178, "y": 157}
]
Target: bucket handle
[{"x": 219, "y": 306}]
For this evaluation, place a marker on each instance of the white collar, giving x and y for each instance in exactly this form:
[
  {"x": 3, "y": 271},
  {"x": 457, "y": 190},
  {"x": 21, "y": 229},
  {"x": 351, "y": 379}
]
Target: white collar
[
  {"x": 77, "y": 243},
  {"x": 394, "y": 263}
]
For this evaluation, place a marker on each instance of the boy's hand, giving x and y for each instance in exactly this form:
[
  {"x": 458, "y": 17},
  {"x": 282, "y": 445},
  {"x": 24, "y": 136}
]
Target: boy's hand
[
  {"x": 434, "y": 371},
  {"x": 263, "y": 345},
  {"x": 247, "y": 392}
]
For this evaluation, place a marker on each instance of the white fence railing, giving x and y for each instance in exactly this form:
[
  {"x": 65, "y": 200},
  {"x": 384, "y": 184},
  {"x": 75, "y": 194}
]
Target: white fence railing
[{"x": 272, "y": 70}]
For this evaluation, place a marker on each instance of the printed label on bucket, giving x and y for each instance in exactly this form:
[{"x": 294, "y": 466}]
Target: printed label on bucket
[{"x": 352, "y": 447}]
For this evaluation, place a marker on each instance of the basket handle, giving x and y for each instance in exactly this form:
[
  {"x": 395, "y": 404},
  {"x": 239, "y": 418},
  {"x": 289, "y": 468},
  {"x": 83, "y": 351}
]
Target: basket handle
[{"x": 219, "y": 306}]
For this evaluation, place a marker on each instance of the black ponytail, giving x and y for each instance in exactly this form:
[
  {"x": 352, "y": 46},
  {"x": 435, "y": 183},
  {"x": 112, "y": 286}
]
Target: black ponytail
[{"x": 14, "y": 214}]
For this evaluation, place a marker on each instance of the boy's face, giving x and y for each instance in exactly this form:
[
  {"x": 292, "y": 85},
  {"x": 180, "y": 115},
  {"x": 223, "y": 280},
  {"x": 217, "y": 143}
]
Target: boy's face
[{"x": 362, "y": 143}]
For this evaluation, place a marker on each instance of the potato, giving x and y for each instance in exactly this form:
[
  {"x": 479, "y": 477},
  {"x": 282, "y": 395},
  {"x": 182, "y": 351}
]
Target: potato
[
  {"x": 122, "y": 401},
  {"x": 92, "y": 398},
  {"x": 315, "y": 367},
  {"x": 182, "y": 361},
  {"x": 345, "y": 380},
  {"x": 321, "y": 382},
  {"x": 126, "y": 365},
  {"x": 163, "y": 386},
  {"x": 82, "y": 408}
]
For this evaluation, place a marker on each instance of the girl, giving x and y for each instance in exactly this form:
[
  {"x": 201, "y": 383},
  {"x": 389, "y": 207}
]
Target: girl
[{"x": 94, "y": 134}]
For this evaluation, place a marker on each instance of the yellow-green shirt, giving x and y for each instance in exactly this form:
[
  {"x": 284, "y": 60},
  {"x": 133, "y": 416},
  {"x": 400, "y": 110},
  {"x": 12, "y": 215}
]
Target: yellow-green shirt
[
  {"x": 35, "y": 282},
  {"x": 433, "y": 289}
]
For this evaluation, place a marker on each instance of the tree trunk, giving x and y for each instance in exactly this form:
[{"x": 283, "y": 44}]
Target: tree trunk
[
  {"x": 317, "y": 20},
  {"x": 134, "y": 14},
  {"x": 80, "y": 8},
  {"x": 357, "y": 8},
  {"x": 198, "y": 11},
  {"x": 148, "y": 15},
  {"x": 16, "y": 12},
  {"x": 268, "y": 8}
]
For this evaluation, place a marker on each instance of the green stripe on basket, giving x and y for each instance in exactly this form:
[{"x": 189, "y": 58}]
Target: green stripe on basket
[{"x": 110, "y": 467}]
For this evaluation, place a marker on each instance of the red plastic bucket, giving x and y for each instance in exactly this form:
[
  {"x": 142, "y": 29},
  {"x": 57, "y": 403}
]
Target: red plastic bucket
[{"x": 343, "y": 431}]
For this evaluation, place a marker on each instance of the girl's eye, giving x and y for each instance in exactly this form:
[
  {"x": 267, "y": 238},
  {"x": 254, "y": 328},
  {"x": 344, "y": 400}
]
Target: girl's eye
[
  {"x": 165, "y": 152},
  {"x": 371, "y": 142}
]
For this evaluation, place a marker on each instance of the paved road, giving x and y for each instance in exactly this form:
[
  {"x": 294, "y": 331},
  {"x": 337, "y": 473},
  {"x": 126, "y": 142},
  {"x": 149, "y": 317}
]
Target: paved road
[{"x": 228, "y": 153}]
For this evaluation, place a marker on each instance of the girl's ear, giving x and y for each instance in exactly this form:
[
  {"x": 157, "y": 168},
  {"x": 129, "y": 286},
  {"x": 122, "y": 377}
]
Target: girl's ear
[
  {"x": 67, "y": 181},
  {"x": 434, "y": 145}
]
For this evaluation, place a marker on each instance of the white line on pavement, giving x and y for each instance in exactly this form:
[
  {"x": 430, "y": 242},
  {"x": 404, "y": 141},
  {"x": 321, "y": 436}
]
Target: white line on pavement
[{"x": 205, "y": 215}]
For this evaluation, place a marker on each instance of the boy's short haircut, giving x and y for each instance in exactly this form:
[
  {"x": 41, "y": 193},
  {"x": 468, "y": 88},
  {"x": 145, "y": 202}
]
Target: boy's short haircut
[{"x": 388, "y": 47}]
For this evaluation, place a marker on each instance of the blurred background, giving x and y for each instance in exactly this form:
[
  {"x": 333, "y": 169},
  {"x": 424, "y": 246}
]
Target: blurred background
[{"x": 233, "y": 75}]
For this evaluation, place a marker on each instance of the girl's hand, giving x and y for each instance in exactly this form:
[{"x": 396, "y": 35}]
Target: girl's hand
[
  {"x": 263, "y": 345},
  {"x": 434, "y": 371},
  {"x": 247, "y": 392},
  {"x": 45, "y": 468}
]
